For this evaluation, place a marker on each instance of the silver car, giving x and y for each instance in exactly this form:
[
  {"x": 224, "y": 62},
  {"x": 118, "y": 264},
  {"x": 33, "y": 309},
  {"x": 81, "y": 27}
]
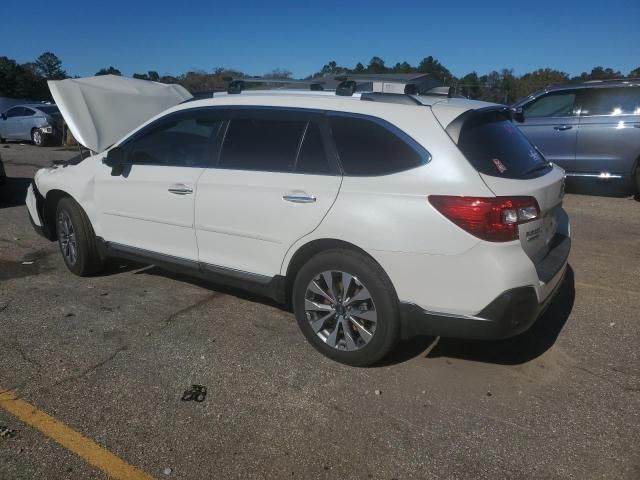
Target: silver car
[
  {"x": 38, "y": 123},
  {"x": 592, "y": 130}
]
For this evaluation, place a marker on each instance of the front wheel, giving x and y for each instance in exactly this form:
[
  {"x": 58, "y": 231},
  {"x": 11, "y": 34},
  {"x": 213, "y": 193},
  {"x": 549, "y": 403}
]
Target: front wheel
[
  {"x": 346, "y": 307},
  {"x": 76, "y": 239}
]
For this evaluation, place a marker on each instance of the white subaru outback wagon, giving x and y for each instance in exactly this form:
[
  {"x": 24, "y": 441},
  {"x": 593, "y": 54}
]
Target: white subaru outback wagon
[{"x": 375, "y": 216}]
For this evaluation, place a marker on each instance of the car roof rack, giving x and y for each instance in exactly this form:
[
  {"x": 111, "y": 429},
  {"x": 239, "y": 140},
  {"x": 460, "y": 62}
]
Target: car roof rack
[
  {"x": 396, "y": 83},
  {"x": 399, "y": 98},
  {"x": 614, "y": 80},
  {"x": 238, "y": 84}
]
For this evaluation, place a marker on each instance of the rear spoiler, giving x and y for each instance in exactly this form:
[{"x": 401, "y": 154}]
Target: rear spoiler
[{"x": 455, "y": 127}]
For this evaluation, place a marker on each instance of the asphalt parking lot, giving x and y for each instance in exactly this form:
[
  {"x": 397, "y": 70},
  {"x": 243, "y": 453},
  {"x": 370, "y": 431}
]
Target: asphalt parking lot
[{"x": 109, "y": 358}]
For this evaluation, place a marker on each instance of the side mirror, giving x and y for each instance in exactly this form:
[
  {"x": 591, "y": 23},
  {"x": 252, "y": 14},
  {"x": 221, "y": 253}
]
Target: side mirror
[
  {"x": 115, "y": 160},
  {"x": 517, "y": 114},
  {"x": 3, "y": 116}
]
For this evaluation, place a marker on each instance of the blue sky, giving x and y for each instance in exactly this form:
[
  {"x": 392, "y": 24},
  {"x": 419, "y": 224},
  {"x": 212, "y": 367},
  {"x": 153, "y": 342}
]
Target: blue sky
[{"x": 172, "y": 37}]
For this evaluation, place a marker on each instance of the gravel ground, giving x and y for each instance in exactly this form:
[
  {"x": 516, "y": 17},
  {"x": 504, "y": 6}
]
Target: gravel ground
[{"x": 110, "y": 357}]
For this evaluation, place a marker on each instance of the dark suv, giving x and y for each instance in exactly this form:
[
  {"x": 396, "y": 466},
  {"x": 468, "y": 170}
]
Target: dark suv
[{"x": 592, "y": 130}]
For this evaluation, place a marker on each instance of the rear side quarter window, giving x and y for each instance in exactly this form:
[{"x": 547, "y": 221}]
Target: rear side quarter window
[
  {"x": 370, "y": 147},
  {"x": 611, "y": 101}
]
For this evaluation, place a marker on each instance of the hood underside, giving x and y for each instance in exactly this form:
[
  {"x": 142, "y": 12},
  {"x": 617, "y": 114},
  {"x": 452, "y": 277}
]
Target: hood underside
[{"x": 101, "y": 110}]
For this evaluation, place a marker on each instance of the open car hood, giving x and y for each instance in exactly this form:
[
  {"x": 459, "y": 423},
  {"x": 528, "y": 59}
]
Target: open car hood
[{"x": 101, "y": 110}]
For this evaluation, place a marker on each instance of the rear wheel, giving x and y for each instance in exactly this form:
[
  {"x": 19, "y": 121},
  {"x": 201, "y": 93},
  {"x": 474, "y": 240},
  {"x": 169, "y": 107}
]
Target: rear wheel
[
  {"x": 37, "y": 137},
  {"x": 76, "y": 239},
  {"x": 346, "y": 307}
]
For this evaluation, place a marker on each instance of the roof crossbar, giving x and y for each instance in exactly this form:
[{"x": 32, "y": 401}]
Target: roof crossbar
[
  {"x": 237, "y": 85},
  {"x": 400, "y": 98},
  {"x": 416, "y": 85}
]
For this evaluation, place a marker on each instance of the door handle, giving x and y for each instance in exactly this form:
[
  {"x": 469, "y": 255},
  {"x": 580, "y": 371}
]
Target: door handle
[
  {"x": 180, "y": 189},
  {"x": 299, "y": 198},
  {"x": 562, "y": 128}
]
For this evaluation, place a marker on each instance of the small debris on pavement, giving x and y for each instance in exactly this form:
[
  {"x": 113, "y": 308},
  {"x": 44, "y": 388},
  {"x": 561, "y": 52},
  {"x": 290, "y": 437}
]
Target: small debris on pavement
[
  {"x": 70, "y": 314},
  {"x": 378, "y": 392},
  {"x": 27, "y": 263},
  {"x": 612, "y": 324},
  {"x": 489, "y": 394},
  {"x": 197, "y": 393},
  {"x": 167, "y": 471},
  {"x": 6, "y": 432}
]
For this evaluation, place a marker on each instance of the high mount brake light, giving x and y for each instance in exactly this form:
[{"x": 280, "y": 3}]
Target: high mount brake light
[{"x": 494, "y": 219}]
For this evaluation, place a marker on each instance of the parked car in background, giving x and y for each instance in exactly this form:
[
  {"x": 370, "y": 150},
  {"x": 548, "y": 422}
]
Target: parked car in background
[
  {"x": 39, "y": 123},
  {"x": 376, "y": 216},
  {"x": 592, "y": 130}
]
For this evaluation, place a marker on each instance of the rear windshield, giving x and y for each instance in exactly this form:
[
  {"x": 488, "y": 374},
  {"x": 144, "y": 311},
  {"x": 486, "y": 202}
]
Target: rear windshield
[{"x": 496, "y": 147}]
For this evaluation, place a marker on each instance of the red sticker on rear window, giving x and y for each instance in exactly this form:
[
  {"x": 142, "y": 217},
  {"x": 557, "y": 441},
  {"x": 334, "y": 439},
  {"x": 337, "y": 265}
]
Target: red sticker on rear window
[{"x": 499, "y": 165}]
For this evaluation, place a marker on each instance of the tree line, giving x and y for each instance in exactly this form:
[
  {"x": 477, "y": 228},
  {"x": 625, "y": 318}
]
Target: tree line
[{"x": 29, "y": 80}]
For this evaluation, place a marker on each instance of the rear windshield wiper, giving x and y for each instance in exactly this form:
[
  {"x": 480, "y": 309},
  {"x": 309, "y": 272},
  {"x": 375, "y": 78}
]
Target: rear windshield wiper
[{"x": 540, "y": 166}]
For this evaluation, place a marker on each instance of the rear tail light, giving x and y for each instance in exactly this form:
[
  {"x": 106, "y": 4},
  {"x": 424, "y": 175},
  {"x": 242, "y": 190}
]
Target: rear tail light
[{"x": 494, "y": 219}]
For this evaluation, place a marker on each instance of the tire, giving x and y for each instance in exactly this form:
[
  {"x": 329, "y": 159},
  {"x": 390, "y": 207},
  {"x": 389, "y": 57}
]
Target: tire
[
  {"x": 37, "y": 137},
  {"x": 3, "y": 140},
  {"x": 76, "y": 239},
  {"x": 343, "y": 335}
]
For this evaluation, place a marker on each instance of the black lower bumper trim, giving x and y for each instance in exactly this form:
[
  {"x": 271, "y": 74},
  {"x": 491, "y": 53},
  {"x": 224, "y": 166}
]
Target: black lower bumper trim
[
  {"x": 510, "y": 314},
  {"x": 550, "y": 265}
]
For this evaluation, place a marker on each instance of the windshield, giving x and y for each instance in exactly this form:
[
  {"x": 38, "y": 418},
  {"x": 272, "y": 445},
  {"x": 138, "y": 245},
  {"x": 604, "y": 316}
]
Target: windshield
[
  {"x": 48, "y": 109},
  {"x": 496, "y": 147}
]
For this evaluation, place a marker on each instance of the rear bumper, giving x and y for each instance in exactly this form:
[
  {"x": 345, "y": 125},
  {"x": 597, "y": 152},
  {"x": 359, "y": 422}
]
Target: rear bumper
[{"x": 511, "y": 313}]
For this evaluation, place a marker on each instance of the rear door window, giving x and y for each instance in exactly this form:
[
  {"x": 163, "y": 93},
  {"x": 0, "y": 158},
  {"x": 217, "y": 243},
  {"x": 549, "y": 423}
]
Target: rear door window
[
  {"x": 496, "y": 147},
  {"x": 368, "y": 147},
  {"x": 258, "y": 144},
  {"x": 611, "y": 101},
  {"x": 312, "y": 158},
  {"x": 559, "y": 104},
  {"x": 273, "y": 141}
]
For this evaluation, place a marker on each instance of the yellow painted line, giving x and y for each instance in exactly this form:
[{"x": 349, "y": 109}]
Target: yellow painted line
[{"x": 90, "y": 451}]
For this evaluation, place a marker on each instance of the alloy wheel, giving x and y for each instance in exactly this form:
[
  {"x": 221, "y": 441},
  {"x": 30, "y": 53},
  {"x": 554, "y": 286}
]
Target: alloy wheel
[
  {"x": 37, "y": 137},
  {"x": 340, "y": 310},
  {"x": 67, "y": 237}
]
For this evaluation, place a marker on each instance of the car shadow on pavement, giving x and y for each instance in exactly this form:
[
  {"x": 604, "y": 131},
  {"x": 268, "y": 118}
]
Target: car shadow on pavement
[
  {"x": 522, "y": 348},
  {"x": 511, "y": 351},
  {"x": 13, "y": 191},
  {"x": 224, "y": 289}
]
